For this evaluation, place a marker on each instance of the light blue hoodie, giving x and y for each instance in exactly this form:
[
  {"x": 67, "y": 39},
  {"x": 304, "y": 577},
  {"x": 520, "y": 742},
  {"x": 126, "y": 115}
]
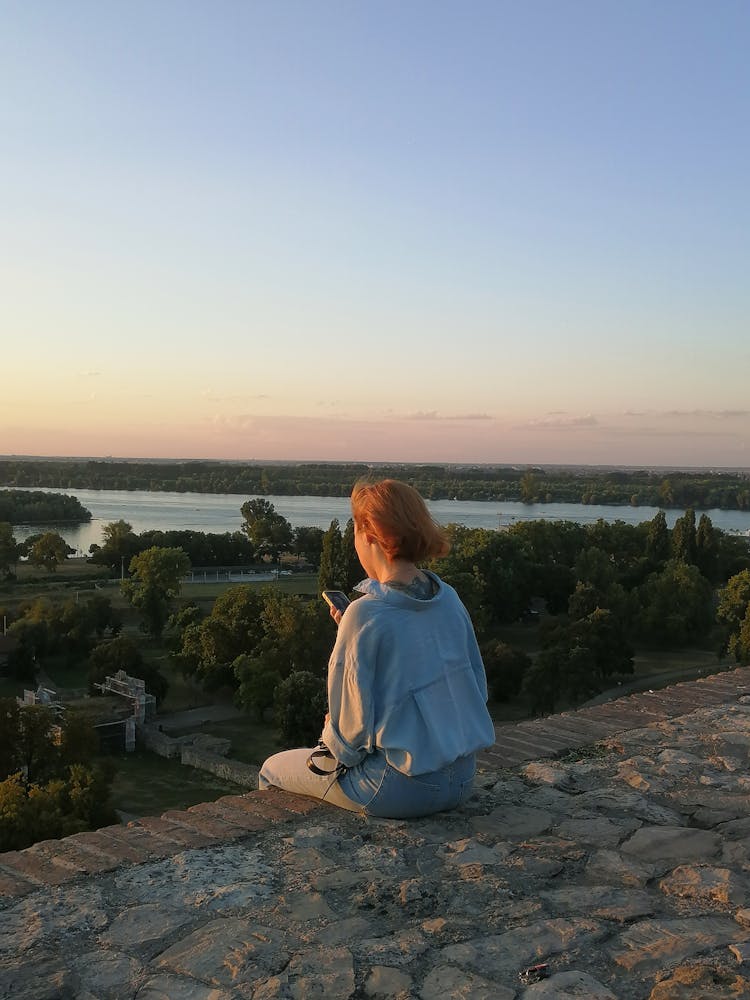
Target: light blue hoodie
[{"x": 406, "y": 677}]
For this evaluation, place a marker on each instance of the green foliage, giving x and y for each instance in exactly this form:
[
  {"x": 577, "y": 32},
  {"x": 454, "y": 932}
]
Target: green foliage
[
  {"x": 205, "y": 549},
  {"x": 122, "y": 653},
  {"x": 700, "y": 490},
  {"x": 269, "y": 531},
  {"x": 307, "y": 544},
  {"x": 9, "y": 548},
  {"x": 707, "y": 548},
  {"x": 577, "y": 659},
  {"x": 505, "y": 668},
  {"x": 49, "y": 789},
  {"x": 33, "y": 507},
  {"x": 684, "y": 538},
  {"x": 10, "y": 759},
  {"x": 48, "y": 549},
  {"x": 68, "y": 628},
  {"x": 258, "y": 681},
  {"x": 333, "y": 561},
  {"x": 279, "y": 632},
  {"x": 733, "y": 611},
  {"x": 300, "y": 707},
  {"x": 353, "y": 568},
  {"x": 675, "y": 605},
  {"x": 156, "y": 576},
  {"x": 490, "y": 572},
  {"x": 657, "y": 539}
]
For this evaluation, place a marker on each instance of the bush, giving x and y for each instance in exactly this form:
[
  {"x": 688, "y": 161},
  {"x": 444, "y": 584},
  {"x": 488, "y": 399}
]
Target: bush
[
  {"x": 300, "y": 705},
  {"x": 505, "y": 668}
]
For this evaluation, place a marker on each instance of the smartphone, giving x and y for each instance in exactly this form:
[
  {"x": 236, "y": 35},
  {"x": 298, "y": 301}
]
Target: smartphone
[{"x": 336, "y": 599}]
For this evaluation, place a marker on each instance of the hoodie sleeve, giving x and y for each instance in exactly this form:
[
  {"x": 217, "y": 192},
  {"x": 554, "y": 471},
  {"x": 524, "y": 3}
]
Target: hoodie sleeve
[{"x": 348, "y": 734}]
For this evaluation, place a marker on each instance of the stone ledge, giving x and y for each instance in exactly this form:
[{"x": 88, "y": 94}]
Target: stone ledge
[
  {"x": 236, "y": 817},
  {"x": 550, "y": 736},
  {"x": 233, "y": 817}
]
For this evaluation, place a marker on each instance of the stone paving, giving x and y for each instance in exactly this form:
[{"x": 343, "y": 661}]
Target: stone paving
[{"x": 622, "y": 866}]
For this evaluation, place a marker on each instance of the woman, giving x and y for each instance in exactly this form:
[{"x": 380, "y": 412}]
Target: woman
[{"x": 407, "y": 690}]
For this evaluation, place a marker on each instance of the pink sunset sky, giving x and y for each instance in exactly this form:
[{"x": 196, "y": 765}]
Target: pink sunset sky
[{"x": 376, "y": 232}]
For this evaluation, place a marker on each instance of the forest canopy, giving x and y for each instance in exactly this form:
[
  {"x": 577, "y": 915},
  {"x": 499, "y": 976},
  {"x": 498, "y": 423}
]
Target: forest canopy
[{"x": 32, "y": 507}]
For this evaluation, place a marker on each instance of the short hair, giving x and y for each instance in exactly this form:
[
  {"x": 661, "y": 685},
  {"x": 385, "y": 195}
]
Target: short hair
[{"x": 397, "y": 517}]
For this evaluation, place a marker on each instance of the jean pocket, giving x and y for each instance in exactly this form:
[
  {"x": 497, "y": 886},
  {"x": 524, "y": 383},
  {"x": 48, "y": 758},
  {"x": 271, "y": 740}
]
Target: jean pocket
[{"x": 403, "y": 797}]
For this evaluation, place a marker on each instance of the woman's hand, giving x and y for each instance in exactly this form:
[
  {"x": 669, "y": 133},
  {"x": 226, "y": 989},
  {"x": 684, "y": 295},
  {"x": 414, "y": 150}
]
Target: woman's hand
[{"x": 336, "y": 614}]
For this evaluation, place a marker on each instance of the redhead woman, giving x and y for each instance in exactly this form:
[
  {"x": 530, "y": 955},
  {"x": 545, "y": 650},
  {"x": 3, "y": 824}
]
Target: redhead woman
[{"x": 407, "y": 691}]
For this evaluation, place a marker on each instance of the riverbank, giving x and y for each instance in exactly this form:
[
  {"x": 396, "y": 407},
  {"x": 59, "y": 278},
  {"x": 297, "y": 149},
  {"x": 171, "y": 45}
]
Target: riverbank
[{"x": 145, "y": 510}]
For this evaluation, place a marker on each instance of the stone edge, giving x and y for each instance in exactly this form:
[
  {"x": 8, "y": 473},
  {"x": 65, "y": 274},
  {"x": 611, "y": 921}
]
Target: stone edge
[{"x": 233, "y": 817}]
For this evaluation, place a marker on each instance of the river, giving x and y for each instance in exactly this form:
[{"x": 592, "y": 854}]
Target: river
[{"x": 220, "y": 512}]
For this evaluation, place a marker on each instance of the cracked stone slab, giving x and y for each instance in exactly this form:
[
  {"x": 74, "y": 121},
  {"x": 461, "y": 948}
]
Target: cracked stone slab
[
  {"x": 652, "y": 944},
  {"x": 227, "y": 952}
]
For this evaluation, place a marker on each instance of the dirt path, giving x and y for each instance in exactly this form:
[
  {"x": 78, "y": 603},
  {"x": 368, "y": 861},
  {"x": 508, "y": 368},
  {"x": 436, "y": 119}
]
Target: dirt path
[{"x": 197, "y": 716}]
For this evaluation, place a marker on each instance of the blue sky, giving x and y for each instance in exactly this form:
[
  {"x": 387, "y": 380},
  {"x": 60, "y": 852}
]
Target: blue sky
[{"x": 498, "y": 232}]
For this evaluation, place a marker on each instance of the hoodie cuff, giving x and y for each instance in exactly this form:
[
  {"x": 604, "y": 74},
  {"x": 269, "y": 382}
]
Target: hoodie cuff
[{"x": 343, "y": 753}]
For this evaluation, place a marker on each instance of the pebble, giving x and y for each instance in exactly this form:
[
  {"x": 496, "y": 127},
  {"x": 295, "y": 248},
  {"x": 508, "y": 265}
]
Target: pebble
[{"x": 625, "y": 871}]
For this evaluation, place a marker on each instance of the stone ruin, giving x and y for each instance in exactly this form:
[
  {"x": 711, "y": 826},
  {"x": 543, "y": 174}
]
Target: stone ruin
[{"x": 133, "y": 688}]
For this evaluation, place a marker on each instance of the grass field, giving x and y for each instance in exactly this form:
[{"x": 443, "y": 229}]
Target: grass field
[
  {"x": 251, "y": 741},
  {"x": 147, "y": 785}
]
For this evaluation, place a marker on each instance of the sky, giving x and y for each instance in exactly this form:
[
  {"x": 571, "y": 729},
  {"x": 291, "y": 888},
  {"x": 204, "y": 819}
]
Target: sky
[{"x": 376, "y": 230}]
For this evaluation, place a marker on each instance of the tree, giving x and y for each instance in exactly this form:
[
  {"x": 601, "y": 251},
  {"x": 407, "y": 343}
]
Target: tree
[
  {"x": 9, "y": 548},
  {"x": 603, "y": 634},
  {"x": 308, "y": 544},
  {"x": 9, "y": 737},
  {"x": 683, "y": 537},
  {"x": 541, "y": 682},
  {"x": 733, "y": 611},
  {"x": 156, "y": 575},
  {"x": 235, "y": 626},
  {"x": 353, "y": 567},
  {"x": 300, "y": 707},
  {"x": 707, "y": 548},
  {"x": 34, "y": 641},
  {"x": 258, "y": 681},
  {"x": 675, "y": 604},
  {"x": 332, "y": 574},
  {"x": 119, "y": 546},
  {"x": 657, "y": 538},
  {"x": 48, "y": 549},
  {"x": 505, "y": 668},
  {"x": 528, "y": 487},
  {"x": 269, "y": 531},
  {"x": 122, "y": 653},
  {"x": 38, "y": 757}
]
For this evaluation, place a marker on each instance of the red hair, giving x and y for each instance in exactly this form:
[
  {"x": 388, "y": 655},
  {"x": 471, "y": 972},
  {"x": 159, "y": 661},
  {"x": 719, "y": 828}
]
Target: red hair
[{"x": 396, "y": 516}]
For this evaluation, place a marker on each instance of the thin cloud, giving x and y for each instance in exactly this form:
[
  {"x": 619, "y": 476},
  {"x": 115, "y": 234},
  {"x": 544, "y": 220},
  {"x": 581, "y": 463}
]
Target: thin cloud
[
  {"x": 211, "y": 397},
  {"x": 684, "y": 414},
  {"x": 423, "y": 415},
  {"x": 435, "y": 415},
  {"x": 560, "y": 421},
  {"x": 91, "y": 374}
]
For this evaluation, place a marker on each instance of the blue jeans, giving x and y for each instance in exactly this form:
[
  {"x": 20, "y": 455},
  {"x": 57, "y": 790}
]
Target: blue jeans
[
  {"x": 373, "y": 787},
  {"x": 381, "y": 790}
]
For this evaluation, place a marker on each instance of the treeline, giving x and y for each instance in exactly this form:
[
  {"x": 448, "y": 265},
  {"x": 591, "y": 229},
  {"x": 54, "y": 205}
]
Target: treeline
[
  {"x": 700, "y": 490},
  {"x": 597, "y": 589},
  {"x": 33, "y": 507}
]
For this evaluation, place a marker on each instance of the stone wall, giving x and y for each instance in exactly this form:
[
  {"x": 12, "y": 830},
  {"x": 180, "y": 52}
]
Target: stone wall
[
  {"x": 207, "y": 753},
  {"x": 245, "y": 775},
  {"x": 622, "y": 869}
]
